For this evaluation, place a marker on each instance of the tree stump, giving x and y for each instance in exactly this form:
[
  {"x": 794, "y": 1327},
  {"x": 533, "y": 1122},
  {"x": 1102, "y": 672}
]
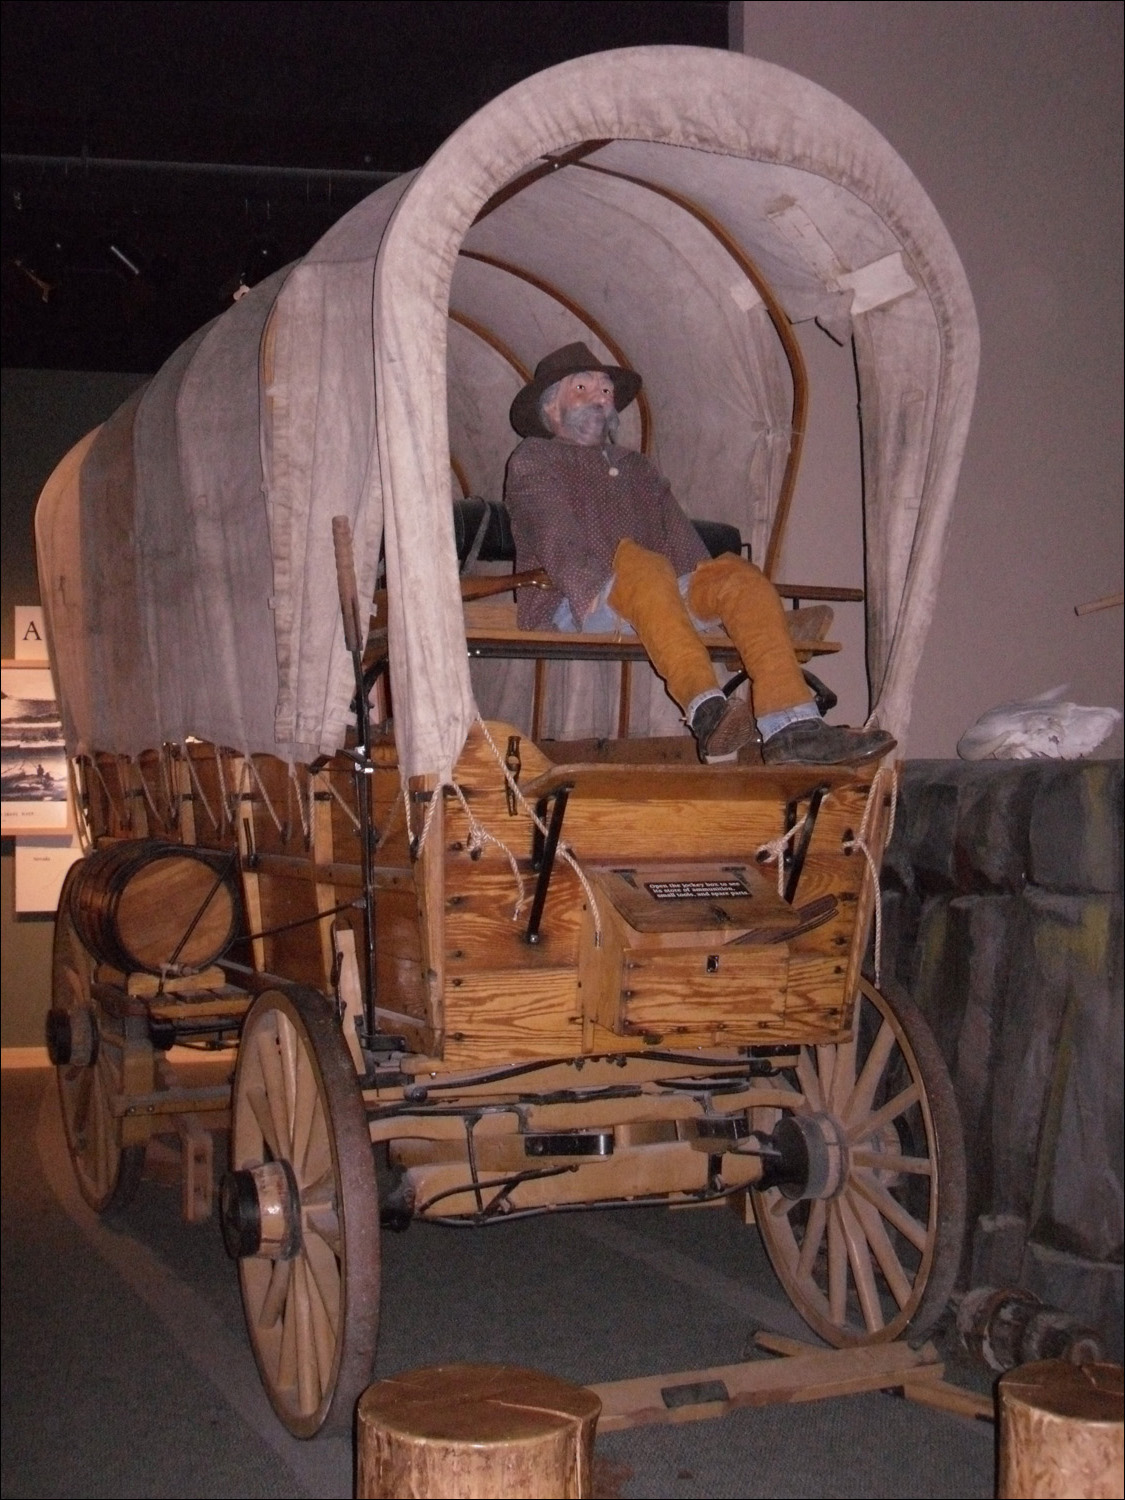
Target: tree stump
[
  {"x": 475, "y": 1431},
  {"x": 1061, "y": 1432}
]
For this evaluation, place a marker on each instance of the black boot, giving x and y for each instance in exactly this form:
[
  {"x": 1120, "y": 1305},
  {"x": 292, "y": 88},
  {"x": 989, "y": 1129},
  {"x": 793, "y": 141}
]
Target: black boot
[
  {"x": 812, "y": 742},
  {"x": 721, "y": 727}
]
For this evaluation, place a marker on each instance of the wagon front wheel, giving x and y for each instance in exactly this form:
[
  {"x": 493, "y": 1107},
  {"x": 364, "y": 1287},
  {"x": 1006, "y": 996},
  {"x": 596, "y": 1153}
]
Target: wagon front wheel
[
  {"x": 862, "y": 1211},
  {"x": 88, "y": 1053},
  {"x": 300, "y": 1211}
]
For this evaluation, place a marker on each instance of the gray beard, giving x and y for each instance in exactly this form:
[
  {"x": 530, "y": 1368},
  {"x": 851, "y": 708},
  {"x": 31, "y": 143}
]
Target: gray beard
[{"x": 592, "y": 426}]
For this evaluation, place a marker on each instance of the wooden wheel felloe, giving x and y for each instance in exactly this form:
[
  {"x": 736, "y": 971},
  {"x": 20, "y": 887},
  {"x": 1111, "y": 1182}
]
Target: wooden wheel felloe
[
  {"x": 88, "y": 1050},
  {"x": 300, "y": 1211},
  {"x": 864, "y": 1222}
]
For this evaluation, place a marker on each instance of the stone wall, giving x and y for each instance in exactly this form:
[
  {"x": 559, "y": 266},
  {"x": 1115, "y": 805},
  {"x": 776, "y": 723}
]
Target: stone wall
[{"x": 1003, "y": 917}]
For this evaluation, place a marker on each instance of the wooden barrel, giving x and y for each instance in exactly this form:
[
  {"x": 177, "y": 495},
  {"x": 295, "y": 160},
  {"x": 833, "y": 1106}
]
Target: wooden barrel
[
  {"x": 147, "y": 905},
  {"x": 472, "y": 1432}
]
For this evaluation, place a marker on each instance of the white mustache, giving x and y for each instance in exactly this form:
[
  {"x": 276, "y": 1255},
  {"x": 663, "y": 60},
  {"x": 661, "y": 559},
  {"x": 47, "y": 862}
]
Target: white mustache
[{"x": 592, "y": 424}]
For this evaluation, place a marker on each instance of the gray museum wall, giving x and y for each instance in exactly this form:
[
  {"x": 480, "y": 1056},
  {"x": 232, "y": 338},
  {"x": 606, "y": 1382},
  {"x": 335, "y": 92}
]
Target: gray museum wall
[
  {"x": 43, "y": 413},
  {"x": 1010, "y": 116}
]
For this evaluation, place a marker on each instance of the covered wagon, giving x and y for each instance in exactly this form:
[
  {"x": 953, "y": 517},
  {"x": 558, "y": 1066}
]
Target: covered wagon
[{"x": 464, "y": 892}]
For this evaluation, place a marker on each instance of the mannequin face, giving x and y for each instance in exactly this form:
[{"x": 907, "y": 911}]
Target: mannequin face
[{"x": 581, "y": 410}]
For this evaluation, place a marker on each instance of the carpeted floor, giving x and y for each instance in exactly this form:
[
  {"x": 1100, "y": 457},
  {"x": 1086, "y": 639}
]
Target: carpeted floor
[{"x": 126, "y": 1370}]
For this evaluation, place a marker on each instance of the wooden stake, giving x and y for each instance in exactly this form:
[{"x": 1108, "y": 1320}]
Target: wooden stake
[
  {"x": 476, "y": 1431},
  {"x": 1061, "y": 1432}
]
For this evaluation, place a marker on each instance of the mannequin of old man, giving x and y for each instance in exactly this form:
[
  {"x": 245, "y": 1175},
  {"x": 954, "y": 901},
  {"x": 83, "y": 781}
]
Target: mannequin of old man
[{"x": 620, "y": 555}]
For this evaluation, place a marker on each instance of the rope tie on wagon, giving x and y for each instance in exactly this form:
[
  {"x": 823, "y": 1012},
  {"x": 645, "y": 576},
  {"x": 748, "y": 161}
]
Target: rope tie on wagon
[
  {"x": 773, "y": 851},
  {"x": 479, "y": 835},
  {"x": 564, "y": 849},
  {"x": 859, "y": 844}
]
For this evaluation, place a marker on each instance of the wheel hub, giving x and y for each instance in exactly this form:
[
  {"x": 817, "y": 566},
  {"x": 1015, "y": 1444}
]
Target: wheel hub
[
  {"x": 260, "y": 1212},
  {"x": 806, "y": 1156},
  {"x": 72, "y": 1037}
]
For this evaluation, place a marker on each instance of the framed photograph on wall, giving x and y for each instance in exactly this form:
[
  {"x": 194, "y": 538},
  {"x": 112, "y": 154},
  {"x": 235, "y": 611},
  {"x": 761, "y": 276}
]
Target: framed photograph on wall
[{"x": 33, "y": 797}]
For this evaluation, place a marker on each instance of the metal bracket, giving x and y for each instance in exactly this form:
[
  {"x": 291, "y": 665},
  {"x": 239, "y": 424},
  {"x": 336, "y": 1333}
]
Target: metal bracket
[{"x": 543, "y": 855}]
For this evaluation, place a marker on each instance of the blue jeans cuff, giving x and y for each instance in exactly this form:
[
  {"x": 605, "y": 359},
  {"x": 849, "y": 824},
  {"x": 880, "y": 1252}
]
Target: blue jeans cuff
[{"x": 781, "y": 718}]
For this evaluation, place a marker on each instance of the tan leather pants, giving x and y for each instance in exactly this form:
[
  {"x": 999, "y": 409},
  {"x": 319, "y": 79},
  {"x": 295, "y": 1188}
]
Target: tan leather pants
[{"x": 726, "y": 589}]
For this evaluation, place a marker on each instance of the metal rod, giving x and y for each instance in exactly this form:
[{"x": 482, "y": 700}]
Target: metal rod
[
  {"x": 550, "y": 847},
  {"x": 803, "y": 840}
]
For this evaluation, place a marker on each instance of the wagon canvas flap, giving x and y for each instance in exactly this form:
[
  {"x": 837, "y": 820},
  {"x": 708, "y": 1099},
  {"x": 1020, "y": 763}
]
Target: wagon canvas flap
[
  {"x": 802, "y": 147},
  {"x": 617, "y": 199}
]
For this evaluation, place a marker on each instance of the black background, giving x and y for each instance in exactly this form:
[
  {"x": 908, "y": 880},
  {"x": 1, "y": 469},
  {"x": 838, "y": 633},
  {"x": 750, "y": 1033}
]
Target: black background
[{"x": 155, "y": 154}]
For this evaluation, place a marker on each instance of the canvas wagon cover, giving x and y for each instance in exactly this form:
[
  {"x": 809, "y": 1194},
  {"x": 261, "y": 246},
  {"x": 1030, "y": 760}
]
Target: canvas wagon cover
[{"x": 186, "y": 550}]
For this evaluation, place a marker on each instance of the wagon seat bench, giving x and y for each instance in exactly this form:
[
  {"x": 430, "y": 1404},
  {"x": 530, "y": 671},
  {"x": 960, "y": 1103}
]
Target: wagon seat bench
[{"x": 483, "y": 534}]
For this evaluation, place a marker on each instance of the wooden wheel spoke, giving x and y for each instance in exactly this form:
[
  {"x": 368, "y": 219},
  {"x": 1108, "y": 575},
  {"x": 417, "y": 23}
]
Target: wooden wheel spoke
[
  {"x": 810, "y": 1083},
  {"x": 877, "y": 1237},
  {"x": 273, "y": 1303},
  {"x": 287, "y": 1348},
  {"x": 308, "y": 1375},
  {"x": 273, "y": 1085},
  {"x": 255, "y": 1097},
  {"x": 287, "y": 1055},
  {"x": 826, "y": 1071},
  {"x": 326, "y": 1268},
  {"x": 843, "y": 1076},
  {"x": 874, "y": 1066},
  {"x": 100, "y": 1164},
  {"x": 104, "y": 1163},
  {"x": 305, "y": 1108},
  {"x": 83, "y": 1097},
  {"x": 892, "y": 1210},
  {"x": 323, "y": 1325},
  {"x": 863, "y": 1272},
  {"x": 889, "y": 1161},
  {"x": 864, "y": 1129},
  {"x": 320, "y": 1212},
  {"x": 781, "y": 1206},
  {"x": 324, "y": 1223},
  {"x": 814, "y": 1237},
  {"x": 837, "y": 1267}
]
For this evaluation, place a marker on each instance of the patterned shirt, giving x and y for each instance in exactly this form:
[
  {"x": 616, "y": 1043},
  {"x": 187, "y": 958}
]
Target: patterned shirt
[{"x": 570, "y": 506}]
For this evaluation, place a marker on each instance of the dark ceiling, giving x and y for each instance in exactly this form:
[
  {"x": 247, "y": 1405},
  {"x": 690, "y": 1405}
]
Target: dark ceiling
[{"x": 155, "y": 154}]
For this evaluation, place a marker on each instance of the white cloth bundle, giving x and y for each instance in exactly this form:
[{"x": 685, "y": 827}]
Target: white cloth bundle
[{"x": 1041, "y": 728}]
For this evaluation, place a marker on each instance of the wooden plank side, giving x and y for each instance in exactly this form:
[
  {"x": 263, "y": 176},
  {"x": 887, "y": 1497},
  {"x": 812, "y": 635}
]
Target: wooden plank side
[
  {"x": 815, "y": 1000},
  {"x": 152, "y": 779},
  {"x": 210, "y": 793},
  {"x": 506, "y": 1014},
  {"x": 400, "y": 980},
  {"x": 645, "y": 826},
  {"x": 485, "y": 926},
  {"x": 480, "y": 777},
  {"x": 731, "y": 990},
  {"x": 296, "y": 950},
  {"x": 277, "y": 804}
]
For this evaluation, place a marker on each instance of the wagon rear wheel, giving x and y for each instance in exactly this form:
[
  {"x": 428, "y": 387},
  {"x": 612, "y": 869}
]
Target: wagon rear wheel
[
  {"x": 87, "y": 1049},
  {"x": 300, "y": 1211},
  {"x": 864, "y": 1220}
]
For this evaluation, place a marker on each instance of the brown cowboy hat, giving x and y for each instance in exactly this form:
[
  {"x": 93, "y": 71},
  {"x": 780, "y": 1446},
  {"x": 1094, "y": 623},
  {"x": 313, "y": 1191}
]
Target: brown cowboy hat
[{"x": 571, "y": 359}]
